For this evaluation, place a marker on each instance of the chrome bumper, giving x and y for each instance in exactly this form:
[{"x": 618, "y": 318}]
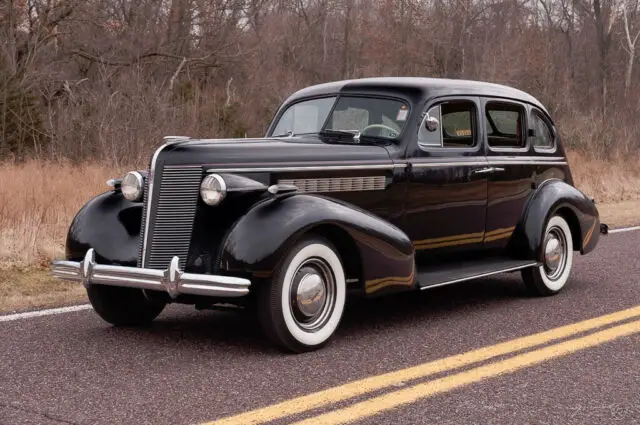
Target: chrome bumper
[{"x": 172, "y": 280}]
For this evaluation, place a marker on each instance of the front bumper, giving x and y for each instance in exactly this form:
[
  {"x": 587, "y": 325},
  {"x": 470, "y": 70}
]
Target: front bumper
[{"x": 171, "y": 280}]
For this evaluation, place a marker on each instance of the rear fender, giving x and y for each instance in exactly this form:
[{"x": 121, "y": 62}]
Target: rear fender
[
  {"x": 556, "y": 197},
  {"x": 260, "y": 239}
]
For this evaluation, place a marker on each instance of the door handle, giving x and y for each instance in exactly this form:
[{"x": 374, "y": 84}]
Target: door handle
[
  {"x": 488, "y": 170},
  {"x": 485, "y": 170}
]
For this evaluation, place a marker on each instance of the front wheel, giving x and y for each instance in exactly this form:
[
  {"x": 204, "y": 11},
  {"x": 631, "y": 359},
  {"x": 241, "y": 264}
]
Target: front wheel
[
  {"x": 300, "y": 308},
  {"x": 124, "y": 306},
  {"x": 552, "y": 275}
]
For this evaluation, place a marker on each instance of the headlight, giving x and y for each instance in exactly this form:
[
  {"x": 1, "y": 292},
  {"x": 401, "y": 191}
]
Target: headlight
[
  {"x": 132, "y": 186},
  {"x": 213, "y": 189}
]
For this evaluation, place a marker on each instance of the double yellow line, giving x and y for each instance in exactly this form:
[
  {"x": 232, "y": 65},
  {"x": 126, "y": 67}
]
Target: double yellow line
[{"x": 539, "y": 352}]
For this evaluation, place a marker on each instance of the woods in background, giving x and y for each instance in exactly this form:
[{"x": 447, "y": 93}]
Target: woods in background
[{"x": 106, "y": 79}]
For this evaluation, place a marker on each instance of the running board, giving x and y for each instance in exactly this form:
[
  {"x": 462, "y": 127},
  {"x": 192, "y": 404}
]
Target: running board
[{"x": 459, "y": 272}]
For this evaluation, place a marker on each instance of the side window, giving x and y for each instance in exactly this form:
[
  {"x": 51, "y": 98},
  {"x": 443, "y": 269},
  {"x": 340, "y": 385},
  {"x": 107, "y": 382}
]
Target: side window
[
  {"x": 505, "y": 124},
  {"x": 542, "y": 134},
  {"x": 449, "y": 125}
]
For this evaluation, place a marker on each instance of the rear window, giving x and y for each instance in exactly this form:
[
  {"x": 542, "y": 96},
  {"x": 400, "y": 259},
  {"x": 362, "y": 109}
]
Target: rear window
[
  {"x": 542, "y": 133},
  {"x": 505, "y": 124}
]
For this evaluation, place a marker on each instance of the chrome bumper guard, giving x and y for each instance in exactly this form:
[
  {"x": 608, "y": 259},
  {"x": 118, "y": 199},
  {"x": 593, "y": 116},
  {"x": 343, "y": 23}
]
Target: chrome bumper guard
[{"x": 172, "y": 280}]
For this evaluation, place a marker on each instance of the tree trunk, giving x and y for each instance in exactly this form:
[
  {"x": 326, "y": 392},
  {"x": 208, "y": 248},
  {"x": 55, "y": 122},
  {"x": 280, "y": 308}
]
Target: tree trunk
[
  {"x": 631, "y": 45},
  {"x": 179, "y": 27},
  {"x": 629, "y": 73},
  {"x": 346, "y": 54},
  {"x": 604, "y": 24}
]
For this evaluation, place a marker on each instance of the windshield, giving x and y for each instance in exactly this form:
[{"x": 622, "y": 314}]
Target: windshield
[
  {"x": 384, "y": 118},
  {"x": 304, "y": 117}
]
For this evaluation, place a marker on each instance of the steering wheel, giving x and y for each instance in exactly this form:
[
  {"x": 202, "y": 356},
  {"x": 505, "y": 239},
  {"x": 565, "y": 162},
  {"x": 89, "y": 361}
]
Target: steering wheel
[{"x": 380, "y": 126}]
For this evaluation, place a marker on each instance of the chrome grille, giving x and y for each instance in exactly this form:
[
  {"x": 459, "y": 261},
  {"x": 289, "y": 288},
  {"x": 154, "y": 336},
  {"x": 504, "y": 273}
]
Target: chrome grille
[
  {"x": 173, "y": 215},
  {"x": 337, "y": 184}
]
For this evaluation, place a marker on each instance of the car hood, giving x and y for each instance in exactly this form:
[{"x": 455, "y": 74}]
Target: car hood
[{"x": 269, "y": 152}]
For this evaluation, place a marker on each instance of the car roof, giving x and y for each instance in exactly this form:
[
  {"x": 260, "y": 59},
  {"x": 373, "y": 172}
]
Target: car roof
[{"x": 430, "y": 87}]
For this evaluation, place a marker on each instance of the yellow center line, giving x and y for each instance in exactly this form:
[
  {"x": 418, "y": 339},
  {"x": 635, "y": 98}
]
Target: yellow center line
[
  {"x": 375, "y": 383},
  {"x": 394, "y": 399}
]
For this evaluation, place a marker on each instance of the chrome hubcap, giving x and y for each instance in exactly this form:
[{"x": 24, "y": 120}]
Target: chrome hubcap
[
  {"x": 312, "y": 294},
  {"x": 555, "y": 253}
]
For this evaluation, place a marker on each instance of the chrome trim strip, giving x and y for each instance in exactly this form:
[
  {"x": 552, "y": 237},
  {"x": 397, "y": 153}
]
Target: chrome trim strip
[
  {"x": 509, "y": 269},
  {"x": 447, "y": 164},
  {"x": 171, "y": 280},
  {"x": 527, "y": 158},
  {"x": 516, "y": 162},
  {"x": 307, "y": 168},
  {"x": 489, "y": 161},
  {"x": 484, "y": 163}
]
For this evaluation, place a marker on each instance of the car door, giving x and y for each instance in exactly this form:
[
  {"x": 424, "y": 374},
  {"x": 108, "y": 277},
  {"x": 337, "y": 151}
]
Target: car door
[
  {"x": 446, "y": 196},
  {"x": 513, "y": 169}
]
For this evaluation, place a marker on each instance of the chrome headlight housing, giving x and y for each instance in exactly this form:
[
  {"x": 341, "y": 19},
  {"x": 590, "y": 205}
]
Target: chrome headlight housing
[
  {"x": 213, "y": 189},
  {"x": 132, "y": 186}
]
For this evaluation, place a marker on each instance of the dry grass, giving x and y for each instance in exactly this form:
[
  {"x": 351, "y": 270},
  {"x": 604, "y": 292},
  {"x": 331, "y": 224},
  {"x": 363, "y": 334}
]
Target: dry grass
[
  {"x": 620, "y": 214},
  {"x": 608, "y": 181},
  {"x": 38, "y": 201},
  {"x": 31, "y": 287}
]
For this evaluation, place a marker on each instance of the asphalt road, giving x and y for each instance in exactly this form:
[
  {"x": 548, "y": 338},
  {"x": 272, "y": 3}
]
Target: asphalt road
[{"x": 192, "y": 367}]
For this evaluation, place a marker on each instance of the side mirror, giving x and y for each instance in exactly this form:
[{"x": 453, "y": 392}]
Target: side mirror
[{"x": 431, "y": 123}]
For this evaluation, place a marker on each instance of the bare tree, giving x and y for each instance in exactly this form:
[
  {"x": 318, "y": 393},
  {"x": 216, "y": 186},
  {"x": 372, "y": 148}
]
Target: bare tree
[
  {"x": 603, "y": 14},
  {"x": 630, "y": 7},
  {"x": 179, "y": 27},
  {"x": 107, "y": 78}
]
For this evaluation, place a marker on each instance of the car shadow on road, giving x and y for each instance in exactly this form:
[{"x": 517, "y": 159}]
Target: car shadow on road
[
  {"x": 461, "y": 298},
  {"x": 240, "y": 332}
]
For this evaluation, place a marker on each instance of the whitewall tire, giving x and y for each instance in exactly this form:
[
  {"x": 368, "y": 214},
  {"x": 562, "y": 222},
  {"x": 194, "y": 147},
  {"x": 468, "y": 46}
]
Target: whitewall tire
[
  {"x": 557, "y": 253},
  {"x": 301, "y": 307}
]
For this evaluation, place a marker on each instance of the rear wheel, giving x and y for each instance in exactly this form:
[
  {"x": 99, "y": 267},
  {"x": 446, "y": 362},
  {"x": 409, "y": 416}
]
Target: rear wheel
[
  {"x": 300, "y": 308},
  {"x": 124, "y": 306},
  {"x": 553, "y": 274}
]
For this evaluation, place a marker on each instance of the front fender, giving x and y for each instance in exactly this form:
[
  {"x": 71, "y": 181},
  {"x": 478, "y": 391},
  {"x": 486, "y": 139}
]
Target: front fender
[
  {"x": 111, "y": 226},
  {"x": 260, "y": 239},
  {"x": 551, "y": 197}
]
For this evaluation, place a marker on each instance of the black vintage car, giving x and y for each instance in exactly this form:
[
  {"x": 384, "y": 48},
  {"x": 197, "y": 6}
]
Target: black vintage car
[{"x": 367, "y": 186}]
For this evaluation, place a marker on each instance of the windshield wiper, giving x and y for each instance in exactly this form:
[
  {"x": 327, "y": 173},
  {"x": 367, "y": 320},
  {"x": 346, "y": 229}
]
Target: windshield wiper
[
  {"x": 354, "y": 135},
  {"x": 289, "y": 133},
  {"x": 329, "y": 132}
]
